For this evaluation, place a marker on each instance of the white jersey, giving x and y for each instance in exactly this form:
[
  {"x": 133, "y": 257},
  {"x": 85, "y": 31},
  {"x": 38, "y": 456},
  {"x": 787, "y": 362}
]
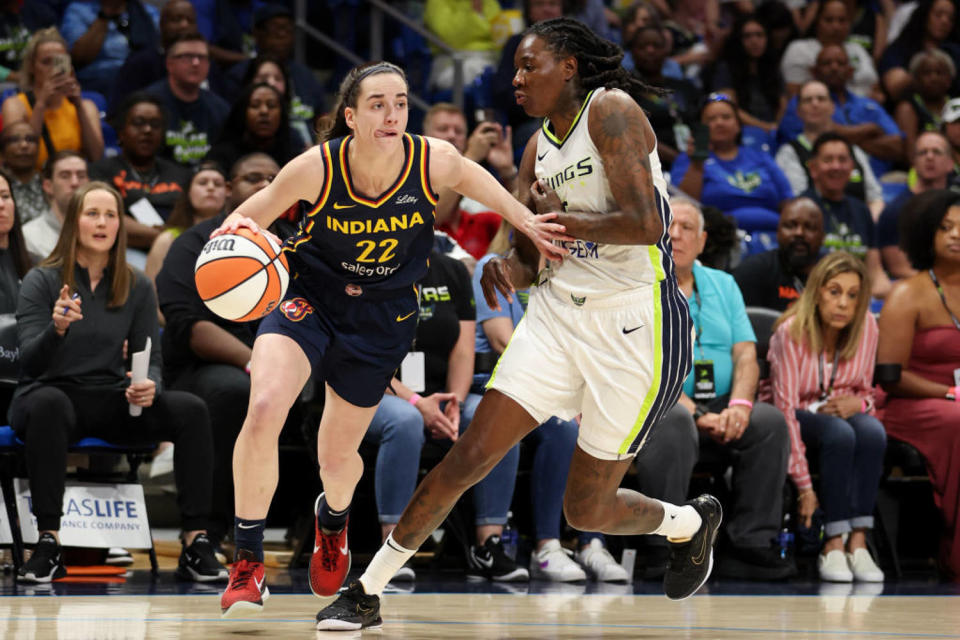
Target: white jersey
[{"x": 573, "y": 168}]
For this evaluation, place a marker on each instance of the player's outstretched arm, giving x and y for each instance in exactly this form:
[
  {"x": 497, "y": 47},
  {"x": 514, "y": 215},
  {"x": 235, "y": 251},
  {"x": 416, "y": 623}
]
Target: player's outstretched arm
[
  {"x": 299, "y": 179},
  {"x": 449, "y": 169},
  {"x": 624, "y": 138}
]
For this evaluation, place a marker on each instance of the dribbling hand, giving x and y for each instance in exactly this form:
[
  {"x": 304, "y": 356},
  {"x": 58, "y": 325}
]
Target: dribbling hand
[{"x": 236, "y": 221}]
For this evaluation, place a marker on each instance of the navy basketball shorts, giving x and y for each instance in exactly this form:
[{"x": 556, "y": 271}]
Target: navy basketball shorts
[{"x": 354, "y": 342}]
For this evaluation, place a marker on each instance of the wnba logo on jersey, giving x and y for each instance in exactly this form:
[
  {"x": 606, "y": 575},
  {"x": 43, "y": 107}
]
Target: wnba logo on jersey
[{"x": 296, "y": 309}]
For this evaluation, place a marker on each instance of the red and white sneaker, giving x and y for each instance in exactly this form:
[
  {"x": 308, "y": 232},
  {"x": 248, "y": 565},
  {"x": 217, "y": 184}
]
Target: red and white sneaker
[
  {"x": 331, "y": 559},
  {"x": 247, "y": 590}
]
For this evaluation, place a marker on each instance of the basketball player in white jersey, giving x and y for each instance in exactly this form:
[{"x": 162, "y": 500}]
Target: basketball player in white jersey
[{"x": 607, "y": 333}]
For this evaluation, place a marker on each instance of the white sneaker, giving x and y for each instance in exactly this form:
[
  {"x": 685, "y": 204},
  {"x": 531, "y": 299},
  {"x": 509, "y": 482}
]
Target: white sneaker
[
  {"x": 600, "y": 564},
  {"x": 833, "y": 567},
  {"x": 863, "y": 567},
  {"x": 553, "y": 562}
]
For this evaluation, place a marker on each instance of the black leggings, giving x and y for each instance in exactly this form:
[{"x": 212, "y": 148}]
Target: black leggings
[{"x": 49, "y": 418}]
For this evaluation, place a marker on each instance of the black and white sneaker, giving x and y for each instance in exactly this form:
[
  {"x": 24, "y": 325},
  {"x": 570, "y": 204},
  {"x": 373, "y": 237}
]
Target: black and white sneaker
[
  {"x": 198, "y": 562},
  {"x": 490, "y": 561},
  {"x": 46, "y": 562},
  {"x": 690, "y": 562},
  {"x": 118, "y": 557},
  {"x": 351, "y": 611}
]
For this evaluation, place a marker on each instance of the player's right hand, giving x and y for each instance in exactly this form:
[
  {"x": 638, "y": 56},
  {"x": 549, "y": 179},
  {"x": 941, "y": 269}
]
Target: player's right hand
[
  {"x": 496, "y": 277},
  {"x": 233, "y": 222}
]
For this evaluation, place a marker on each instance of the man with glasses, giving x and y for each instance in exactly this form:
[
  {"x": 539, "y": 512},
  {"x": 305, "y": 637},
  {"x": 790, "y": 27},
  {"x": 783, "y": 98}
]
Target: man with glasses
[
  {"x": 19, "y": 146},
  {"x": 195, "y": 114},
  {"x": 933, "y": 165},
  {"x": 204, "y": 353}
]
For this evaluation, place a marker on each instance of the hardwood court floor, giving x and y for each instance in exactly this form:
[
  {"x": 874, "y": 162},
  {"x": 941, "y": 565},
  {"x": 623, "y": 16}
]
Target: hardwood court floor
[{"x": 487, "y": 615}]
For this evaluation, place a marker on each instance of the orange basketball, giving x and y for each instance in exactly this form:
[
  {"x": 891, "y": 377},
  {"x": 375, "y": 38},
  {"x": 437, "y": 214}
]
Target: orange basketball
[{"x": 241, "y": 276}]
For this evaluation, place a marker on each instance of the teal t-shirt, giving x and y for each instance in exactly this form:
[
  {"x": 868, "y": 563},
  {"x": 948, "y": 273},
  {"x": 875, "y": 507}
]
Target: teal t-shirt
[{"x": 720, "y": 321}]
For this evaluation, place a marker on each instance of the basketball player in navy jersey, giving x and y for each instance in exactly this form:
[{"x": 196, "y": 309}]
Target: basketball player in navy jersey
[
  {"x": 607, "y": 333},
  {"x": 351, "y": 308}
]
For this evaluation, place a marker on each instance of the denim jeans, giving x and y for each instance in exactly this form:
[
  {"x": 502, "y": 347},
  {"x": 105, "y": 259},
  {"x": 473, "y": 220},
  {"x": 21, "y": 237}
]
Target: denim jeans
[
  {"x": 555, "y": 441},
  {"x": 851, "y": 462},
  {"x": 398, "y": 428}
]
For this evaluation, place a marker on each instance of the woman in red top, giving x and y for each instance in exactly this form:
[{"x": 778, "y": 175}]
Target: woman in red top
[
  {"x": 822, "y": 357},
  {"x": 920, "y": 330}
]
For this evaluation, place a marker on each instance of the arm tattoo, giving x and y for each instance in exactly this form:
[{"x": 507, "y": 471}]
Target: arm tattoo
[{"x": 619, "y": 130}]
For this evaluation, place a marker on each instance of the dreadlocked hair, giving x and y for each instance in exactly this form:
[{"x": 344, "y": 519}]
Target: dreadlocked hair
[
  {"x": 598, "y": 59},
  {"x": 348, "y": 94}
]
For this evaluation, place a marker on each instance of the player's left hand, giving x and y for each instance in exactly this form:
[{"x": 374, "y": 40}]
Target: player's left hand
[
  {"x": 544, "y": 233},
  {"x": 545, "y": 199},
  {"x": 496, "y": 277},
  {"x": 142, "y": 393}
]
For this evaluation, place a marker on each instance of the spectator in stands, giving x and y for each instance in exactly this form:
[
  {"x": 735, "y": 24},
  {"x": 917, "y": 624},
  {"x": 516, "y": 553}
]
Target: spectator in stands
[
  {"x": 258, "y": 121},
  {"x": 271, "y": 70},
  {"x": 816, "y": 109},
  {"x": 848, "y": 223},
  {"x": 15, "y": 34},
  {"x": 205, "y": 196},
  {"x": 932, "y": 25},
  {"x": 830, "y": 408},
  {"x": 738, "y": 180},
  {"x": 693, "y": 31},
  {"x": 748, "y": 71},
  {"x": 467, "y": 221},
  {"x": 14, "y": 261},
  {"x": 19, "y": 146},
  {"x": 775, "y": 278},
  {"x": 146, "y": 66},
  {"x": 445, "y": 334},
  {"x": 204, "y": 353},
  {"x": 75, "y": 381},
  {"x": 951, "y": 128},
  {"x": 934, "y": 169},
  {"x": 63, "y": 174},
  {"x": 273, "y": 32},
  {"x": 102, "y": 33},
  {"x": 195, "y": 114},
  {"x": 138, "y": 173},
  {"x": 228, "y": 26},
  {"x": 502, "y": 88},
  {"x": 465, "y": 25},
  {"x": 670, "y": 112},
  {"x": 831, "y": 27},
  {"x": 554, "y": 441},
  {"x": 919, "y": 330},
  {"x": 933, "y": 72},
  {"x": 643, "y": 14},
  {"x": 860, "y": 120},
  {"x": 779, "y": 22},
  {"x": 50, "y": 101},
  {"x": 869, "y": 21},
  {"x": 716, "y": 413}
]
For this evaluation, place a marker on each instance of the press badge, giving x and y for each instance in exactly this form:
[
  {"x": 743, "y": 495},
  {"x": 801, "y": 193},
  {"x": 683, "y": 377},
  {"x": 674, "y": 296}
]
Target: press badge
[
  {"x": 413, "y": 371},
  {"x": 704, "y": 385}
]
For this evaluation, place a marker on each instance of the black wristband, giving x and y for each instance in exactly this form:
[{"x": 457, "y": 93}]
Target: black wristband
[{"x": 699, "y": 412}]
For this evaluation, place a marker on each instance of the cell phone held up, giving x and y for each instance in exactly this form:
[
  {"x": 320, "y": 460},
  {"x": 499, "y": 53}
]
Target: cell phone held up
[
  {"x": 60, "y": 64},
  {"x": 701, "y": 141}
]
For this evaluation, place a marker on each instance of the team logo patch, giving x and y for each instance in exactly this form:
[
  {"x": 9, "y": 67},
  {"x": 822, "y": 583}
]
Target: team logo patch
[{"x": 296, "y": 309}]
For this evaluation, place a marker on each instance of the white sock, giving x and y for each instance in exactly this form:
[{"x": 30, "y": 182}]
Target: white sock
[
  {"x": 384, "y": 566},
  {"x": 679, "y": 523}
]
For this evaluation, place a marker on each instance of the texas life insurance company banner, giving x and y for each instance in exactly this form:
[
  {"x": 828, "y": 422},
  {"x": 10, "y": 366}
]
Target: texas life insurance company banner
[{"x": 94, "y": 515}]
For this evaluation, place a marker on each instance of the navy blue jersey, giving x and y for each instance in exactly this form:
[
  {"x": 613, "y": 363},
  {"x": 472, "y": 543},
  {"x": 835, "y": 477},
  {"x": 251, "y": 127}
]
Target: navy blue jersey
[{"x": 378, "y": 244}]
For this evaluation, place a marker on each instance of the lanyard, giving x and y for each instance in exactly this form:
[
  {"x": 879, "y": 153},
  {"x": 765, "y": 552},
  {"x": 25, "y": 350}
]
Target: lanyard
[
  {"x": 825, "y": 393},
  {"x": 943, "y": 299},
  {"x": 697, "y": 324}
]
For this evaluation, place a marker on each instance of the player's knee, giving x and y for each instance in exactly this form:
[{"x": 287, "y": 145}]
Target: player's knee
[
  {"x": 584, "y": 515},
  {"x": 265, "y": 414},
  {"x": 342, "y": 465}
]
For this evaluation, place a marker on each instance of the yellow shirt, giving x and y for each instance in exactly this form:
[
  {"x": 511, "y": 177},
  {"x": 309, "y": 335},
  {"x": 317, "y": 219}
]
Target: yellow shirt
[{"x": 63, "y": 125}]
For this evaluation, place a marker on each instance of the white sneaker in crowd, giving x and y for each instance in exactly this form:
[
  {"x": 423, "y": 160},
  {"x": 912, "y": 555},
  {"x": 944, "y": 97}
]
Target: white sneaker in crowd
[
  {"x": 863, "y": 567},
  {"x": 833, "y": 567},
  {"x": 553, "y": 562},
  {"x": 600, "y": 564}
]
